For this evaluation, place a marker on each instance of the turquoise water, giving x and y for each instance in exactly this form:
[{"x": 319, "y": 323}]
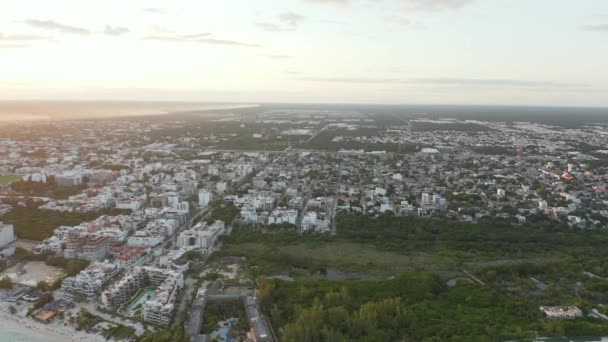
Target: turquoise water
[
  {"x": 142, "y": 299},
  {"x": 8, "y": 335}
]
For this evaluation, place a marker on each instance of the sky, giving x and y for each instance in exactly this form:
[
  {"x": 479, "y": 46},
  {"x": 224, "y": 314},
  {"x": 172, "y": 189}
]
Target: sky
[{"x": 504, "y": 52}]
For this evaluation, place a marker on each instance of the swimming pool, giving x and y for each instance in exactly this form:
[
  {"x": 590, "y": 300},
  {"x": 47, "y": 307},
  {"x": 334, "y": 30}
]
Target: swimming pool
[{"x": 136, "y": 305}]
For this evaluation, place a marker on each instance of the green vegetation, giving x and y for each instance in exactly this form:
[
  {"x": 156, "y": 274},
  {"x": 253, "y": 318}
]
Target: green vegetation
[
  {"x": 49, "y": 189},
  {"x": 71, "y": 266},
  {"x": 521, "y": 267},
  {"x": 225, "y": 212},
  {"x": 495, "y": 150},
  {"x": 177, "y": 335},
  {"x": 121, "y": 332},
  {"x": 9, "y": 179},
  {"x": 39, "y": 224},
  {"x": 85, "y": 320},
  {"x": 40, "y": 303},
  {"x": 220, "y": 311},
  {"x": 6, "y": 283}
]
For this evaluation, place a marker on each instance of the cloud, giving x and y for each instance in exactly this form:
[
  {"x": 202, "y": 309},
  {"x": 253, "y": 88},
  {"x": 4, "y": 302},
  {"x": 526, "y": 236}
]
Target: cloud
[
  {"x": 434, "y": 5},
  {"x": 116, "y": 30},
  {"x": 352, "y": 79},
  {"x": 287, "y": 21},
  {"x": 497, "y": 83},
  {"x": 13, "y": 46},
  {"x": 55, "y": 26},
  {"x": 201, "y": 38},
  {"x": 22, "y": 37},
  {"x": 410, "y": 5},
  {"x": 400, "y": 20},
  {"x": 279, "y": 56},
  {"x": 291, "y": 18},
  {"x": 329, "y": 2},
  {"x": 154, "y": 10},
  {"x": 270, "y": 27},
  {"x": 448, "y": 82},
  {"x": 594, "y": 28}
]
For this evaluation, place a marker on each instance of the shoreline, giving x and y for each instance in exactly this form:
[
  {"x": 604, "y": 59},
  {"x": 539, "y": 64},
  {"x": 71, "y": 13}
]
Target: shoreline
[{"x": 37, "y": 331}]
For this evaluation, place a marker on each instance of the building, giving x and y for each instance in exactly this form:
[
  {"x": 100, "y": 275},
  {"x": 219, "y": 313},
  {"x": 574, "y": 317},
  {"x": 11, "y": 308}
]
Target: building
[
  {"x": 260, "y": 331},
  {"x": 131, "y": 203},
  {"x": 7, "y": 234},
  {"x": 69, "y": 179},
  {"x": 158, "y": 309},
  {"x": 501, "y": 193},
  {"x": 569, "y": 312},
  {"x": 90, "y": 281},
  {"x": 201, "y": 236},
  {"x": 204, "y": 198},
  {"x": 87, "y": 246}
]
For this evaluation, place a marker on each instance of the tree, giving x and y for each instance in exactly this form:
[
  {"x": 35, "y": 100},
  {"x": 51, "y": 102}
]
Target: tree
[
  {"x": 42, "y": 285},
  {"x": 6, "y": 283}
]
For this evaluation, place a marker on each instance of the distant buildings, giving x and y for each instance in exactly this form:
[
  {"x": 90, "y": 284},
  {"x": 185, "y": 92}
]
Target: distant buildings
[{"x": 69, "y": 179}]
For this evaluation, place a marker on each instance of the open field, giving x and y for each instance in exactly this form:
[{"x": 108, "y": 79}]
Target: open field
[
  {"x": 35, "y": 271},
  {"x": 9, "y": 179}
]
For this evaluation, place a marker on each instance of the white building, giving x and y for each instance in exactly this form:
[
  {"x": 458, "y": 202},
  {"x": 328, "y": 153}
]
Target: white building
[
  {"x": 90, "y": 281},
  {"x": 158, "y": 309},
  {"x": 204, "y": 198},
  {"x": 201, "y": 236},
  {"x": 131, "y": 203},
  {"x": 279, "y": 216},
  {"x": 220, "y": 187},
  {"x": 7, "y": 234}
]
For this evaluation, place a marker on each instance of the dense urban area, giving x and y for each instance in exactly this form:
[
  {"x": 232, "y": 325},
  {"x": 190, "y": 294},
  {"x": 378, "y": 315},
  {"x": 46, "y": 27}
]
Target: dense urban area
[{"x": 296, "y": 223}]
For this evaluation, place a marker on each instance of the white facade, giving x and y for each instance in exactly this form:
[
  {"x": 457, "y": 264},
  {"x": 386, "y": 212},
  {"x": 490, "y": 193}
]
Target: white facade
[
  {"x": 90, "y": 281},
  {"x": 201, "y": 236},
  {"x": 7, "y": 234},
  {"x": 204, "y": 198}
]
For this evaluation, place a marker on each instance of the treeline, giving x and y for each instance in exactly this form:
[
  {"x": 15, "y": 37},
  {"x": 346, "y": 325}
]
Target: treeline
[
  {"x": 49, "y": 189},
  {"x": 225, "y": 212},
  {"x": 412, "y": 307},
  {"x": 491, "y": 238},
  {"x": 39, "y": 224}
]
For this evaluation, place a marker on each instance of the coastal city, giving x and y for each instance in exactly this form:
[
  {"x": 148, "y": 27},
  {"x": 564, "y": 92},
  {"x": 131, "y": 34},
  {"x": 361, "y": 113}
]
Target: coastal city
[{"x": 125, "y": 228}]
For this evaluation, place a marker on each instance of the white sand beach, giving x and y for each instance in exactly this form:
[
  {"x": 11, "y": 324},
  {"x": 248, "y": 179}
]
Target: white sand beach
[{"x": 30, "y": 330}]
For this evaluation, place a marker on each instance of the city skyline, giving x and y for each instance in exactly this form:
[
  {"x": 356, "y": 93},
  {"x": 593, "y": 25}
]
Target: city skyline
[{"x": 337, "y": 51}]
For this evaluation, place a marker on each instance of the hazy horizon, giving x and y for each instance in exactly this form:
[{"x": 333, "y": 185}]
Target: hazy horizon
[{"x": 458, "y": 52}]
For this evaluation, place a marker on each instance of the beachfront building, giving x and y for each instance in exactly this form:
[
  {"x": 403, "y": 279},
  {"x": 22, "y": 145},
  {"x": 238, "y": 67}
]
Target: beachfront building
[
  {"x": 157, "y": 309},
  {"x": 90, "y": 281}
]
